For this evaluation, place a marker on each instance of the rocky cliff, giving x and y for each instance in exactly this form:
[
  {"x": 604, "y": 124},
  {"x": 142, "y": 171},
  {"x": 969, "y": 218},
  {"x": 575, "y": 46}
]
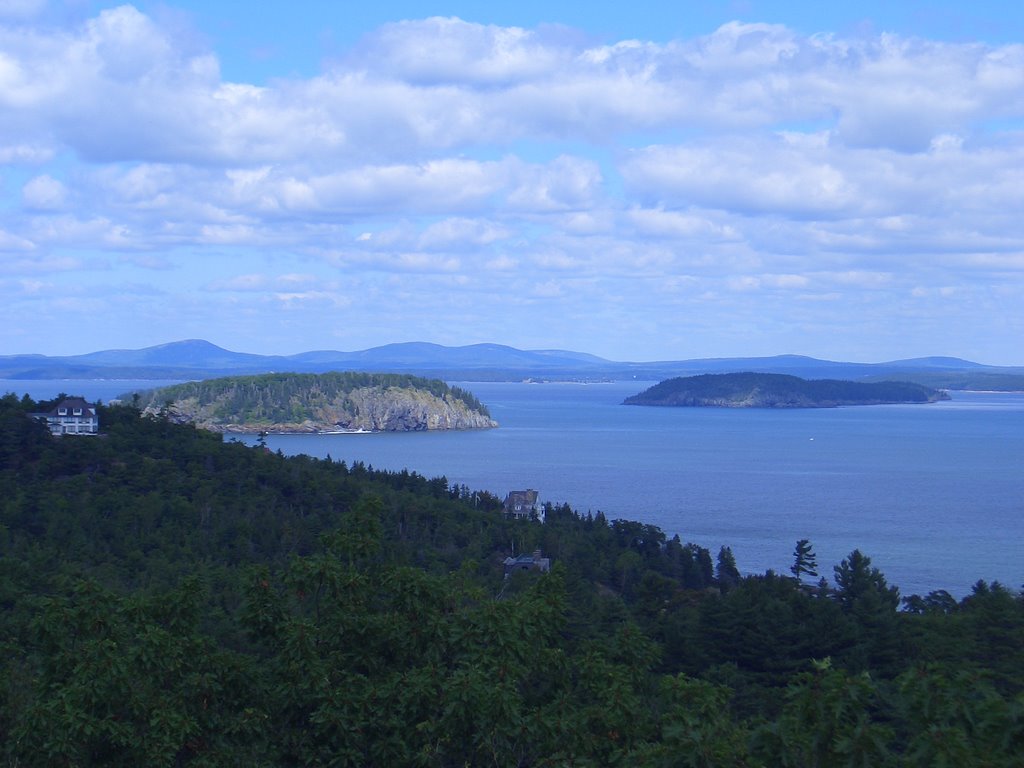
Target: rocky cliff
[{"x": 405, "y": 410}]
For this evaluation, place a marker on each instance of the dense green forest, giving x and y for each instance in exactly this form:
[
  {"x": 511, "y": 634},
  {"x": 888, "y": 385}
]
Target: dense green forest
[
  {"x": 170, "y": 599},
  {"x": 371, "y": 401},
  {"x": 776, "y": 390}
]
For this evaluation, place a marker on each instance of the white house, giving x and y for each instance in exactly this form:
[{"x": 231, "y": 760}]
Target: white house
[{"x": 72, "y": 416}]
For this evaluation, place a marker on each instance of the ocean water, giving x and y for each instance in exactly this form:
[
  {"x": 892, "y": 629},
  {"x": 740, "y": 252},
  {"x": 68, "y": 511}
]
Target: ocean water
[{"x": 933, "y": 494}]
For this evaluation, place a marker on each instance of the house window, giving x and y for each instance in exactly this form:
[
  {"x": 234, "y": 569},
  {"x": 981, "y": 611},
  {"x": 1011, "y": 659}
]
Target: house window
[
  {"x": 77, "y": 412},
  {"x": 62, "y": 411}
]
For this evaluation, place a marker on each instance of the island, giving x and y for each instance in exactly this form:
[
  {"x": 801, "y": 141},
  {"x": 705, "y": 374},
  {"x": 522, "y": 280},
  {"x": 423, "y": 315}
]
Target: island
[
  {"x": 774, "y": 390},
  {"x": 281, "y": 403}
]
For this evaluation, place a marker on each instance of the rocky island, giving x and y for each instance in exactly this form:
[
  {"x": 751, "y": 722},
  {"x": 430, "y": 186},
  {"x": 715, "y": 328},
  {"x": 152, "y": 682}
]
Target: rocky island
[
  {"x": 317, "y": 403},
  {"x": 773, "y": 390}
]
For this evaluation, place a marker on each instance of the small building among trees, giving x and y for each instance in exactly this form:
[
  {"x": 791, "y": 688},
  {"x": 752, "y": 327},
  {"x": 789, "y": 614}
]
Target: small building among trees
[
  {"x": 524, "y": 505},
  {"x": 534, "y": 562}
]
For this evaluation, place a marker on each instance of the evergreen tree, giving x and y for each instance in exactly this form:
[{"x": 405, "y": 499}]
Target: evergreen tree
[
  {"x": 865, "y": 597},
  {"x": 804, "y": 560},
  {"x": 726, "y": 571},
  {"x": 859, "y": 584}
]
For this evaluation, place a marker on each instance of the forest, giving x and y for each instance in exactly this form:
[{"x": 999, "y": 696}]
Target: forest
[{"x": 171, "y": 599}]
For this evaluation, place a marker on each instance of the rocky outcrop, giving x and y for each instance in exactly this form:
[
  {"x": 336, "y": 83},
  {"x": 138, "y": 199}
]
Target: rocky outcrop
[{"x": 405, "y": 410}]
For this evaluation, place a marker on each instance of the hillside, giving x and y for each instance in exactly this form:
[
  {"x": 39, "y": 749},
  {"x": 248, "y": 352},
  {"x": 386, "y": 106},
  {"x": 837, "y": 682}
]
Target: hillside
[
  {"x": 171, "y": 599},
  {"x": 292, "y": 402},
  {"x": 772, "y": 390}
]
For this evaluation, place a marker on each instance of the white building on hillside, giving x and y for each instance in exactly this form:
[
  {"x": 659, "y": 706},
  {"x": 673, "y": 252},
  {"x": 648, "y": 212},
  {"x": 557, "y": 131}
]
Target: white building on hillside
[{"x": 72, "y": 416}]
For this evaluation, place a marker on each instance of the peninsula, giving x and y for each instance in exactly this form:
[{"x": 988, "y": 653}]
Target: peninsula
[
  {"x": 772, "y": 390},
  {"x": 316, "y": 403}
]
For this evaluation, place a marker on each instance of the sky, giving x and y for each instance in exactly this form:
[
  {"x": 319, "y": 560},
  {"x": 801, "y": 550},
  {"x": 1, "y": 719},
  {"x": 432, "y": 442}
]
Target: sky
[{"x": 641, "y": 181}]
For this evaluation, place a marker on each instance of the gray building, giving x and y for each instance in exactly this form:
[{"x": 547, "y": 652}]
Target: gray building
[
  {"x": 524, "y": 505},
  {"x": 534, "y": 562}
]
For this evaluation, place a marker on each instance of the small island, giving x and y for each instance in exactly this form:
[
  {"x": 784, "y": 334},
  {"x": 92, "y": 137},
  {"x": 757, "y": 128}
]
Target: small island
[
  {"x": 310, "y": 403},
  {"x": 773, "y": 390}
]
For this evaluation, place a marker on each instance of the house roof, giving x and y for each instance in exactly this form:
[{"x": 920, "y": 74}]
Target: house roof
[
  {"x": 521, "y": 559},
  {"x": 72, "y": 404},
  {"x": 528, "y": 497},
  {"x": 535, "y": 560}
]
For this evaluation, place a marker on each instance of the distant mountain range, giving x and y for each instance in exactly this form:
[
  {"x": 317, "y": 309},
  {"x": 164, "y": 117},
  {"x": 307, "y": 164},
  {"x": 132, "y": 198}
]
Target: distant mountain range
[{"x": 197, "y": 359}]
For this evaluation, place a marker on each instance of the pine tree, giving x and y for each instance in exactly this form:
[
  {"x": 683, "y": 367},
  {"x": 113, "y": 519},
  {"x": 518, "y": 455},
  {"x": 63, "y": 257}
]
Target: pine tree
[
  {"x": 804, "y": 560},
  {"x": 726, "y": 571},
  {"x": 857, "y": 583}
]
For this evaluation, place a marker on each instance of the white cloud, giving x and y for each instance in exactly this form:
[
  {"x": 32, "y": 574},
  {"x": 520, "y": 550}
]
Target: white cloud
[
  {"x": 44, "y": 192},
  {"x": 861, "y": 279},
  {"x": 229, "y": 234},
  {"x": 9, "y": 242},
  {"x": 420, "y": 84},
  {"x": 461, "y": 233},
  {"x": 785, "y": 281},
  {"x": 502, "y": 263},
  {"x": 393, "y": 261},
  {"x": 257, "y": 282},
  {"x": 744, "y": 283},
  {"x": 312, "y": 300},
  {"x": 25, "y": 153},
  {"x": 251, "y": 282},
  {"x": 549, "y": 289},
  {"x": 596, "y": 221},
  {"x": 450, "y": 50},
  {"x": 657, "y": 222},
  {"x": 1011, "y": 262},
  {"x": 757, "y": 176},
  {"x": 566, "y": 183},
  {"x": 69, "y": 230},
  {"x": 436, "y": 185}
]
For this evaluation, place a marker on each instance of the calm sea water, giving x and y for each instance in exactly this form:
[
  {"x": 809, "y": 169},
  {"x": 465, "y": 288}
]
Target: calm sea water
[{"x": 934, "y": 494}]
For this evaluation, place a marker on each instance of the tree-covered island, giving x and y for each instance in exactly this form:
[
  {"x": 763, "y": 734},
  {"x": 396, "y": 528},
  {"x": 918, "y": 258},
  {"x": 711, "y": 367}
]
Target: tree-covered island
[
  {"x": 773, "y": 390},
  {"x": 329, "y": 402}
]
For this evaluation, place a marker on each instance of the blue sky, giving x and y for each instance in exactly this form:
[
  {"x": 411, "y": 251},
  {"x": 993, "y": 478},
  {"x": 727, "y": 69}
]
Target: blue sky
[{"x": 640, "y": 181}]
